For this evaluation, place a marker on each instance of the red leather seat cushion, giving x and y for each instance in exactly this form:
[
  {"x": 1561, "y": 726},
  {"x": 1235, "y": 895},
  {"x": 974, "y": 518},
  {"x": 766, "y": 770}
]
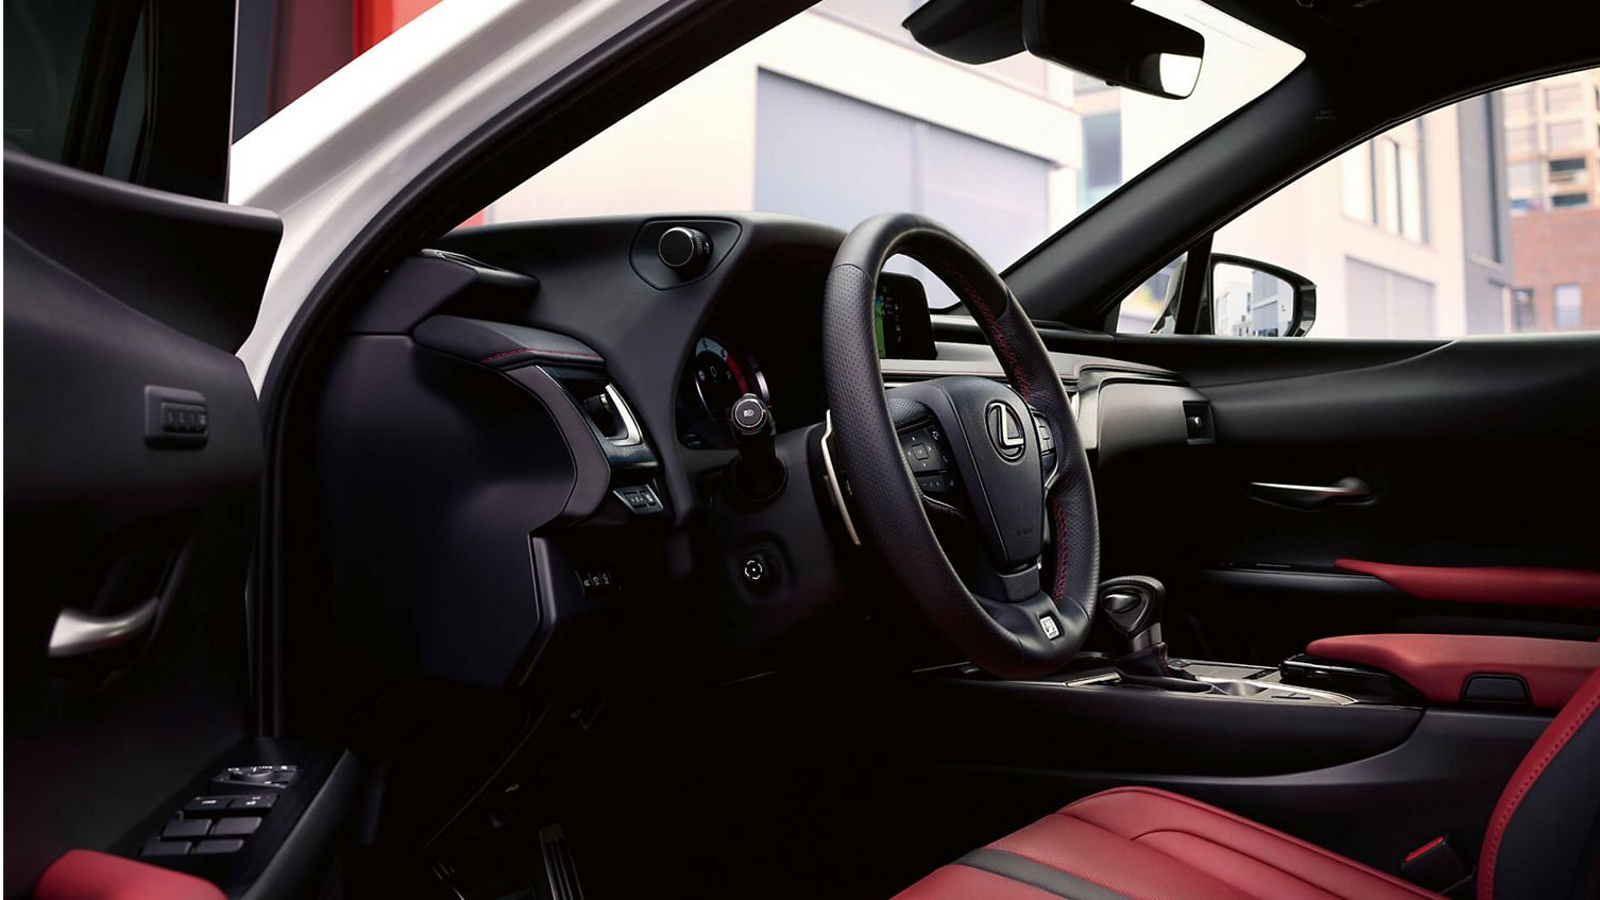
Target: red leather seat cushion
[{"x": 1148, "y": 844}]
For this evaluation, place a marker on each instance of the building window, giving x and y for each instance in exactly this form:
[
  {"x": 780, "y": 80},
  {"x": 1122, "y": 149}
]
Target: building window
[
  {"x": 1561, "y": 98},
  {"x": 1565, "y": 136},
  {"x": 1102, "y": 156},
  {"x": 1569, "y": 201},
  {"x": 1521, "y": 204},
  {"x": 1523, "y": 314},
  {"x": 1386, "y": 304},
  {"x": 1356, "y": 171},
  {"x": 1568, "y": 171},
  {"x": 1519, "y": 103},
  {"x": 1411, "y": 203},
  {"x": 1401, "y": 205},
  {"x": 1568, "y": 306},
  {"x": 1520, "y": 141},
  {"x": 1389, "y": 179},
  {"x": 1522, "y": 177}
]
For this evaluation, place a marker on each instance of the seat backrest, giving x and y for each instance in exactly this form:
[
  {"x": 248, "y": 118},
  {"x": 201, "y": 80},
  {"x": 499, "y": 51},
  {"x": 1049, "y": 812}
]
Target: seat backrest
[{"x": 1544, "y": 838}]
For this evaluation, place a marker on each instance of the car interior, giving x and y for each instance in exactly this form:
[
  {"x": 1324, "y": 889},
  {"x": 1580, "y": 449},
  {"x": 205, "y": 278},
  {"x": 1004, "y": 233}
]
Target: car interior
[{"x": 693, "y": 555}]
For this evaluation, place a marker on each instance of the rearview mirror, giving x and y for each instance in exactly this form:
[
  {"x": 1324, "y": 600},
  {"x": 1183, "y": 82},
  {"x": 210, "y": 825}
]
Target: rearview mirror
[
  {"x": 1253, "y": 299},
  {"x": 1112, "y": 40},
  {"x": 1116, "y": 41}
]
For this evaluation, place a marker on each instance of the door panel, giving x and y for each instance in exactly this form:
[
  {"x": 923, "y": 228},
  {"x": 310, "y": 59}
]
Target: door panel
[
  {"x": 132, "y": 459},
  {"x": 1475, "y": 453}
]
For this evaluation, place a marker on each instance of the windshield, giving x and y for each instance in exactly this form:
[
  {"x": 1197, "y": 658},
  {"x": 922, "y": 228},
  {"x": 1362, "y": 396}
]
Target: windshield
[{"x": 837, "y": 115}]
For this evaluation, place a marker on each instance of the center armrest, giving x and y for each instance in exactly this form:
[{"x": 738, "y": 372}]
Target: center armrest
[{"x": 1441, "y": 665}]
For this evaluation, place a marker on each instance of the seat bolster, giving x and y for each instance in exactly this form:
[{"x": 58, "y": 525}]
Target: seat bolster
[
  {"x": 1232, "y": 848},
  {"x": 1147, "y": 844},
  {"x": 1544, "y": 837}
]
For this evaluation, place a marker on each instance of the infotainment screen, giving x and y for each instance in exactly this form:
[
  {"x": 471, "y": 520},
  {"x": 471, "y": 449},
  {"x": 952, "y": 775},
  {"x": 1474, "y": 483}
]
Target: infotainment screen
[{"x": 900, "y": 318}]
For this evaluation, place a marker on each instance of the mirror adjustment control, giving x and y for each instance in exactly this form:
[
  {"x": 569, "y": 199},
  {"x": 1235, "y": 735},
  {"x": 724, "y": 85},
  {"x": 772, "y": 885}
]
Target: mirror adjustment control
[{"x": 277, "y": 777}]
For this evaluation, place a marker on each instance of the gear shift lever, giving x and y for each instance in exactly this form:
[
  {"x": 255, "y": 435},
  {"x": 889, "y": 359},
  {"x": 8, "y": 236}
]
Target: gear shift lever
[{"x": 1132, "y": 605}]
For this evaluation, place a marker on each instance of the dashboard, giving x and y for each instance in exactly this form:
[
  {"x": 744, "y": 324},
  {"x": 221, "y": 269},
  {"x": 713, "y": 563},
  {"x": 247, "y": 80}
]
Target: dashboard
[{"x": 568, "y": 393}]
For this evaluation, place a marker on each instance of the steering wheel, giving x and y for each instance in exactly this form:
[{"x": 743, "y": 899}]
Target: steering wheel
[{"x": 1012, "y": 450}]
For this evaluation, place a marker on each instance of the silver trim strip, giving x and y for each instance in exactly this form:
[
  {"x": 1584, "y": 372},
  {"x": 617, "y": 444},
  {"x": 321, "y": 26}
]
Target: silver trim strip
[
  {"x": 835, "y": 486},
  {"x": 77, "y": 633},
  {"x": 632, "y": 436}
]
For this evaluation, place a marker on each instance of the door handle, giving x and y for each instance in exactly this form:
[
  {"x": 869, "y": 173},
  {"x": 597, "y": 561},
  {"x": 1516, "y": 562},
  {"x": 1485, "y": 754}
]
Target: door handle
[
  {"x": 1311, "y": 496},
  {"x": 77, "y": 633}
]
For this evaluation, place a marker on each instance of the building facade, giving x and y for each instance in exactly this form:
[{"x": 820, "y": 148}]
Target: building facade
[{"x": 1552, "y": 129}]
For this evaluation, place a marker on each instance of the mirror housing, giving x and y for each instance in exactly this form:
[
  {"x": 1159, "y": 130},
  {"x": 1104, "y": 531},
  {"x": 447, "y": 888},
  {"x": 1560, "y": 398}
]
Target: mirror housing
[
  {"x": 1118, "y": 42},
  {"x": 1248, "y": 298},
  {"x": 1108, "y": 39}
]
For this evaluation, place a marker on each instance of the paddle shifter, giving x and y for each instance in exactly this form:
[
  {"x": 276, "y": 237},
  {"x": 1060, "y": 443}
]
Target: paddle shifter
[{"x": 1132, "y": 606}]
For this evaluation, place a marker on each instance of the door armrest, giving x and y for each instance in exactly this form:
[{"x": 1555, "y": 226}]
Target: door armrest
[{"x": 1455, "y": 668}]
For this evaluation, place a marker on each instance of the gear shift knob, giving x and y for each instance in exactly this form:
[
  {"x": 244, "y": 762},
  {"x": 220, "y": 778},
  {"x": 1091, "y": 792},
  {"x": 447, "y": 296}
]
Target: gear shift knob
[{"x": 1132, "y": 605}]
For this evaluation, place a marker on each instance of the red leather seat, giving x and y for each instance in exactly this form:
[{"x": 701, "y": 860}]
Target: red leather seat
[{"x": 1138, "y": 843}]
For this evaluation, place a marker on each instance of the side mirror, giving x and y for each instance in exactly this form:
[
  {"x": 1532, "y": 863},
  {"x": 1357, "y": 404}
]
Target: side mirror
[{"x": 1247, "y": 298}]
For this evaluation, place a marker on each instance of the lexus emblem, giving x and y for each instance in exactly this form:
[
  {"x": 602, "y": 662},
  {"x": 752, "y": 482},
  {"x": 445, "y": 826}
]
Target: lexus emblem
[{"x": 1005, "y": 431}]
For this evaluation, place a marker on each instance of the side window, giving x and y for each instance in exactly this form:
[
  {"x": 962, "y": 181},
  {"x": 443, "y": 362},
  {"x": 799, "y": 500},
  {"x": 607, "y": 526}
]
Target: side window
[
  {"x": 62, "y": 60},
  {"x": 1479, "y": 218},
  {"x": 84, "y": 87}
]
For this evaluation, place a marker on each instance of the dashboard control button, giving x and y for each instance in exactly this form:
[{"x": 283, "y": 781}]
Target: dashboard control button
[
  {"x": 684, "y": 249},
  {"x": 756, "y": 570},
  {"x": 641, "y": 499},
  {"x": 225, "y": 845},
  {"x": 749, "y": 414}
]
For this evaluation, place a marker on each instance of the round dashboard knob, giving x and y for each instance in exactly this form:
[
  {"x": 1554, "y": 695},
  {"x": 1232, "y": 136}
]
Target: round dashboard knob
[{"x": 684, "y": 249}]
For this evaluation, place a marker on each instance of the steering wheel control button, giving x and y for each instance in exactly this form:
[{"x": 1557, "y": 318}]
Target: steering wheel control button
[
  {"x": 757, "y": 570},
  {"x": 922, "y": 451},
  {"x": 1051, "y": 629},
  {"x": 1047, "y": 439},
  {"x": 684, "y": 249},
  {"x": 1005, "y": 431}
]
